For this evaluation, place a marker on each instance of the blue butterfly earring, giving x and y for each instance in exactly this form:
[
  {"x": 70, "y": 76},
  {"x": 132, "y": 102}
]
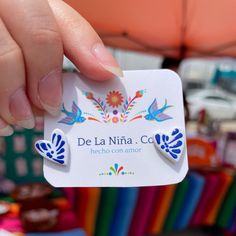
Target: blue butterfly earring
[
  {"x": 56, "y": 150},
  {"x": 170, "y": 145}
]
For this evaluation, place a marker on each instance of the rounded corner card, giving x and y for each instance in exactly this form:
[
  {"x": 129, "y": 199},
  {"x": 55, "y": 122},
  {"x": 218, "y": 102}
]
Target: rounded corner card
[{"x": 124, "y": 132}]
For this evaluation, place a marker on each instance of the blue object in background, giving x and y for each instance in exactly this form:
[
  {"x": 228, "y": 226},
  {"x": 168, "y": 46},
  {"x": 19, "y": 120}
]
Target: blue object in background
[
  {"x": 225, "y": 79},
  {"x": 196, "y": 184},
  {"x": 232, "y": 222},
  {"x": 74, "y": 232},
  {"x": 127, "y": 198}
]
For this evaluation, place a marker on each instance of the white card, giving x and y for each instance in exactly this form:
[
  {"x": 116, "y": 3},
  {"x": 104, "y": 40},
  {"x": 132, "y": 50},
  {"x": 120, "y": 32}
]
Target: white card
[{"x": 111, "y": 126}]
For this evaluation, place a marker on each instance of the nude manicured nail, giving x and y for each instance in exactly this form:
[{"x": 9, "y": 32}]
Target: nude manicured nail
[
  {"x": 6, "y": 131},
  {"x": 106, "y": 60},
  {"x": 50, "y": 92},
  {"x": 20, "y": 109},
  {"x": 28, "y": 124},
  {"x": 114, "y": 70}
]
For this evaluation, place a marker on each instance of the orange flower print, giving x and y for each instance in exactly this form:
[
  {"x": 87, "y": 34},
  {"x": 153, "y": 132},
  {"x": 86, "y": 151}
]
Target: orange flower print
[
  {"x": 115, "y": 119},
  {"x": 114, "y": 99}
]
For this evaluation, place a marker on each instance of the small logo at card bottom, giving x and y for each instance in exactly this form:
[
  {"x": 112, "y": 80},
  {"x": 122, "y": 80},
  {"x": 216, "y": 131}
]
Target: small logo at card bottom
[{"x": 117, "y": 171}]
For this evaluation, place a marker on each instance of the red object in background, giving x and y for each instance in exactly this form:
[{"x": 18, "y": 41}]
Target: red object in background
[
  {"x": 142, "y": 211},
  {"x": 179, "y": 28},
  {"x": 87, "y": 203},
  {"x": 208, "y": 193},
  {"x": 92, "y": 210},
  {"x": 154, "y": 215},
  {"x": 70, "y": 195},
  {"x": 66, "y": 221},
  {"x": 29, "y": 194},
  {"x": 202, "y": 153},
  {"x": 39, "y": 215},
  {"x": 160, "y": 209},
  {"x": 211, "y": 211},
  {"x": 81, "y": 205},
  {"x": 11, "y": 224}
]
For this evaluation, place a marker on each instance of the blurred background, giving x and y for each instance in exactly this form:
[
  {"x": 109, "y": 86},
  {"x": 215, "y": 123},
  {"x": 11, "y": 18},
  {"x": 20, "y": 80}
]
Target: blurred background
[{"x": 197, "y": 39}]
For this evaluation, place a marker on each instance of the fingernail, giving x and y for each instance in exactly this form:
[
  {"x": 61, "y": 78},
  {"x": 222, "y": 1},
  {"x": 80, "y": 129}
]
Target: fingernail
[
  {"x": 54, "y": 111},
  {"x": 106, "y": 60},
  {"x": 6, "y": 131},
  {"x": 114, "y": 70},
  {"x": 50, "y": 92},
  {"x": 20, "y": 109},
  {"x": 28, "y": 124}
]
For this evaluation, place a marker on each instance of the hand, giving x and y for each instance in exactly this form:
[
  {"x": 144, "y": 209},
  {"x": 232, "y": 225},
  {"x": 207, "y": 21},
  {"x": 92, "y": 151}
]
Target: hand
[{"x": 34, "y": 35}]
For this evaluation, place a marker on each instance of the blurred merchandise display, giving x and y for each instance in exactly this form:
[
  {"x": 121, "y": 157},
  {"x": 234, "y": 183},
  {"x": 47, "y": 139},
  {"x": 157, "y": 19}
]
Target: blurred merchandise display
[
  {"x": 4, "y": 207},
  {"x": 33, "y": 192},
  {"x": 202, "y": 153},
  {"x": 205, "y": 198},
  {"x": 225, "y": 78},
  {"x": 229, "y": 149},
  {"x": 219, "y": 104},
  {"x": 217, "y": 96},
  {"x": 36, "y": 207},
  {"x": 42, "y": 217},
  {"x": 18, "y": 159}
]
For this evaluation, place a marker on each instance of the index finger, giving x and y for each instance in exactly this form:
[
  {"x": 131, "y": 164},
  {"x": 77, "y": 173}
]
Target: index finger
[{"x": 82, "y": 45}]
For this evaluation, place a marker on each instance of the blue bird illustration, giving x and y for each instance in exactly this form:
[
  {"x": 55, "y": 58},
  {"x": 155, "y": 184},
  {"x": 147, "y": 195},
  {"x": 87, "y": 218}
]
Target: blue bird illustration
[
  {"x": 157, "y": 114},
  {"x": 72, "y": 117}
]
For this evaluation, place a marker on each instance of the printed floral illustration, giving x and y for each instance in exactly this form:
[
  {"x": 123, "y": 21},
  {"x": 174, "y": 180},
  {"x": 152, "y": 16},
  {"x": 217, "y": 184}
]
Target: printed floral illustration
[
  {"x": 116, "y": 170},
  {"x": 114, "y": 99},
  {"x": 100, "y": 106},
  {"x": 115, "y": 108},
  {"x": 129, "y": 105}
]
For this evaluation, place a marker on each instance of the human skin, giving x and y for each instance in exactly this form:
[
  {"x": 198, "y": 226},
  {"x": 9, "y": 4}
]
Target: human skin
[{"x": 34, "y": 36}]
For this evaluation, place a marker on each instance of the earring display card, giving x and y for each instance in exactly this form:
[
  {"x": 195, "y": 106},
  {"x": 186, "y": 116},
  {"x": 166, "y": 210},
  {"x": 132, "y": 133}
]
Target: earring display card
[{"x": 123, "y": 132}]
